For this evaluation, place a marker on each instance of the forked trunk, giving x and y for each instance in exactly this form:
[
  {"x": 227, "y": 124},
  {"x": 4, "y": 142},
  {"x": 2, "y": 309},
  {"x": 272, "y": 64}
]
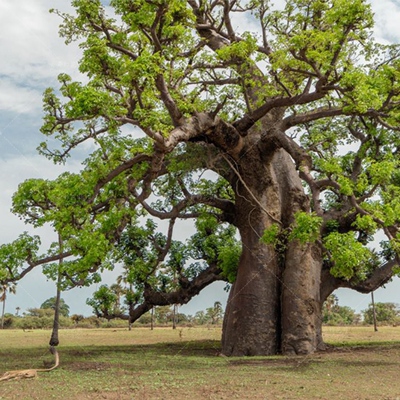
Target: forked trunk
[{"x": 274, "y": 305}]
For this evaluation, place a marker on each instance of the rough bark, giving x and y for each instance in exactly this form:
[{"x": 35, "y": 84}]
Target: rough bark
[
  {"x": 301, "y": 312},
  {"x": 275, "y": 304},
  {"x": 251, "y": 325},
  {"x": 301, "y": 299},
  {"x": 54, "y": 340},
  {"x": 4, "y": 308}
]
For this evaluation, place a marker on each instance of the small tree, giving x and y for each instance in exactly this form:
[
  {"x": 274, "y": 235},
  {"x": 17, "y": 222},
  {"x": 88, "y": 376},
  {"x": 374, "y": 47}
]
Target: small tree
[
  {"x": 215, "y": 314},
  {"x": 200, "y": 318},
  {"x": 386, "y": 313},
  {"x": 51, "y": 303},
  {"x": 163, "y": 314},
  {"x": 333, "y": 314},
  {"x": 118, "y": 291},
  {"x": 10, "y": 288},
  {"x": 103, "y": 302},
  {"x": 77, "y": 318}
]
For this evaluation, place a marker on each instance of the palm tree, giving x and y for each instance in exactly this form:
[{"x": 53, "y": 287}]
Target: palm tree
[
  {"x": 124, "y": 278},
  {"x": 118, "y": 291},
  {"x": 17, "y": 310},
  {"x": 10, "y": 288}
]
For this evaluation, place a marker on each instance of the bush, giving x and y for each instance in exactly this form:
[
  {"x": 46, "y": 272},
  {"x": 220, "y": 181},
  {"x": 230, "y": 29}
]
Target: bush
[
  {"x": 45, "y": 321},
  {"x": 386, "y": 313},
  {"x": 9, "y": 321},
  {"x": 89, "y": 322},
  {"x": 115, "y": 323}
]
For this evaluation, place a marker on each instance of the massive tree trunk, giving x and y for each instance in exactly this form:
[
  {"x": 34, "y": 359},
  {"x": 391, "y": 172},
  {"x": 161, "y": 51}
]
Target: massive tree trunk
[
  {"x": 252, "y": 320},
  {"x": 274, "y": 305},
  {"x": 251, "y": 324},
  {"x": 301, "y": 312}
]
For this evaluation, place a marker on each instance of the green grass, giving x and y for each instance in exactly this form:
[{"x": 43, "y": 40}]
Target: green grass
[{"x": 185, "y": 364}]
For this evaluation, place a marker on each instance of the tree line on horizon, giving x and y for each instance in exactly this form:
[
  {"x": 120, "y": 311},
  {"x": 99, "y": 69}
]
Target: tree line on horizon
[{"x": 42, "y": 318}]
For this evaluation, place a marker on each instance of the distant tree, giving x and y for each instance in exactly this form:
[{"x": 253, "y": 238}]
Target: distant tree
[
  {"x": 181, "y": 318},
  {"x": 385, "y": 313},
  {"x": 10, "y": 288},
  {"x": 331, "y": 301},
  {"x": 333, "y": 314},
  {"x": 163, "y": 314},
  {"x": 200, "y": 318},
  {"x": 357, "y": 319},
  {"x": 39, "y": 312},
  {"x": 189, "y": 318},
  {"x": 119, "y": 291},
  {"x": 17, "y": 309},
  {"x": 145, "y": 318},
  {"x": 77, "y": 318},
  {"x": 215, "y": 314},
  {"x": 51, "y": 303}
]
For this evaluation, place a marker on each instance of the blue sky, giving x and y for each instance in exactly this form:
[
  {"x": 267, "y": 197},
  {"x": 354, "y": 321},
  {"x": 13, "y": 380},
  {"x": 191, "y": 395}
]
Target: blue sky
[{"x": 31, "y": 57}]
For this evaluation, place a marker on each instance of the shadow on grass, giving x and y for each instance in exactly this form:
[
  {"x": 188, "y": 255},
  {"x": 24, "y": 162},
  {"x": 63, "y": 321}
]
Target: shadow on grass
[
  {"x": 364, "y": 345},
  {"x": 179, "y": 355}
]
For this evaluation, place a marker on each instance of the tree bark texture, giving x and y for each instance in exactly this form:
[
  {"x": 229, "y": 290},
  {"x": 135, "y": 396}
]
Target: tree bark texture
[
  {"x": 54, "y": 340},
  {"x": 274, "y": 305},
  {"x": 4, "y": 309}
]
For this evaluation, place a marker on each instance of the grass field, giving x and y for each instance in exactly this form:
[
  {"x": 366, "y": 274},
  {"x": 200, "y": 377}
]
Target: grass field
[{"x": 185, "y": 364}]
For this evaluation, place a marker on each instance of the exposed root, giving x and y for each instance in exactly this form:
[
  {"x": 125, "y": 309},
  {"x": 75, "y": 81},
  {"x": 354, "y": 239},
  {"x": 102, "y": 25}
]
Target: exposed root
[{"x": 30, "y": 373}]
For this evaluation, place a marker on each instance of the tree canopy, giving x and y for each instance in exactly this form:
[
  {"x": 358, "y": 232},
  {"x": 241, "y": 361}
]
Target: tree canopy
[
  {"x": 51, "y": 303},
  {"x": 289, "y": 133}
]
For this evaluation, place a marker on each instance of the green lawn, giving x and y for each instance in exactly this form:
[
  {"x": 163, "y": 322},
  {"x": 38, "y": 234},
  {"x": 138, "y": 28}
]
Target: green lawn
[{"x": 185, "y": 364}]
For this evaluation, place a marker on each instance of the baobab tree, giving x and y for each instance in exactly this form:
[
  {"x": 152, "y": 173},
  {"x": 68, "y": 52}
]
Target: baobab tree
[{"x": 289, "y": 135}]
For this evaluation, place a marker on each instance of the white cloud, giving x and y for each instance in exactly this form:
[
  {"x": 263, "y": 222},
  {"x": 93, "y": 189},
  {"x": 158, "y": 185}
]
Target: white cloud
[
  {"x": 31, "y": 53},
  {"x": 13, "y": 171},
  {"x": 18, "y": 99},
  {"x": 387, "y": 17}
]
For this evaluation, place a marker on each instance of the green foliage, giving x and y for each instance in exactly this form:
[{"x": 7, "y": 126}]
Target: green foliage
[
  {"x": 306, "y": 227},
  {"x": 386, "y": 313},
  {"x": 214, "y": 314},
  {"x": 103, "y": 301},
  {"x": 271, "y": 234},
  {"x": 228, "y": 260},
  {"x": 38, "y": 318},
  {"x": 350, "y": 256},
  {"x": 13, "y": 255},
  {"x": 333, "y": 314},
  {"x": 366, "y": 223},
  {"x": 51, "y": 303}
]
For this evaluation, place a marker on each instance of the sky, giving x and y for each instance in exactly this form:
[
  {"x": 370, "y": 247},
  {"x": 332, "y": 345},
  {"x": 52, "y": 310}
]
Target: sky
[{"x": 31, "y": 56}]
